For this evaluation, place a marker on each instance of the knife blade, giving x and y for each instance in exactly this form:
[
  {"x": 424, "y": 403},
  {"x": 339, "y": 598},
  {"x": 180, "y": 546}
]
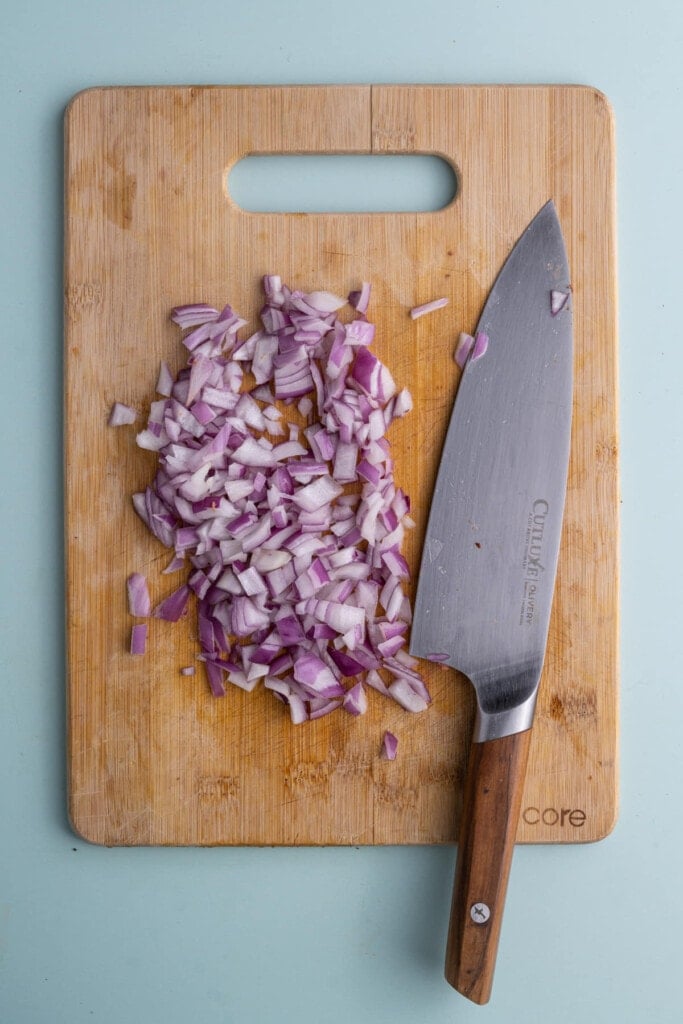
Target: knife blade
[{"x": 489, "y": 562}]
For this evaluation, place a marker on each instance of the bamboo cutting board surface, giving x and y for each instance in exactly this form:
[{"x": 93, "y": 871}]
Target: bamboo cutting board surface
[{"x": 153, "y": 758}]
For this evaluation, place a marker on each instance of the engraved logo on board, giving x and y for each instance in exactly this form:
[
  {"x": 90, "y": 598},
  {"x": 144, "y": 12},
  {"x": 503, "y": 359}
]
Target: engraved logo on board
[{"x": 559, "y": 817}]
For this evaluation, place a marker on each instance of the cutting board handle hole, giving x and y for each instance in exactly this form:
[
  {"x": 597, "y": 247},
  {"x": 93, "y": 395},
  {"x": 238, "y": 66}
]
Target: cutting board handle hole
[{"x": 341, "y": 183}]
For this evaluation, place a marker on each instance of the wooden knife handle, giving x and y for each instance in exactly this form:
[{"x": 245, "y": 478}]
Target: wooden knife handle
[{"x": 493, "y": 795}]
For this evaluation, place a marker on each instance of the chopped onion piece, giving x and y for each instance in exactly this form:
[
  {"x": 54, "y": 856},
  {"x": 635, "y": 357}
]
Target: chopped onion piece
[
  {"x": 361, "y": 299},
  {"x": 463, "y": 349},
  {"x": 317, "y": 677},
  {"x": 389, "y": 746},
  {"x": 138, "y": 595},
  {"x": 372, "y": 376},
  {"x": 188, "y": 670},
  {"x": 174, "y": 606},
  {"x": 326, "y": 302},
  {"x": 405, "y": 695},
  {"x": 374, "y": 679},
  {"x": 193, "y": 315},
  {"x": 481, "y": 343},
  {"x": 403, "y": 403},
  {"x": 165, "y": 380},
  {"x": 428, "y": 307},
  {"x": 317, "y": 494},
  {"x": 138, "y": 639},
  {"x": 121, "y": 415},
  {"x": 355, "y": 700},
  {"x": 558, "y": 300}
]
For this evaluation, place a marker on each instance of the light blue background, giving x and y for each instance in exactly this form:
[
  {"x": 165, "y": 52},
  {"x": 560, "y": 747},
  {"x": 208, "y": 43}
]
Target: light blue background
[{"x": 336, "y": 935}]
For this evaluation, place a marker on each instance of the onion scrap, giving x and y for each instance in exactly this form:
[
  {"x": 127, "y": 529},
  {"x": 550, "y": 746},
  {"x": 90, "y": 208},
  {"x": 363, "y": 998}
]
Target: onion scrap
[
  {"x": 389, "y": 746},
  {"x": 290, "y": 535},
  {"x": 469, "y": 348},
  {"x": 428, "y": 307},
  {"x": 121, "y": 415},
  {"x": 138, "y": 639},
  {"x": 558, "y": 300}
]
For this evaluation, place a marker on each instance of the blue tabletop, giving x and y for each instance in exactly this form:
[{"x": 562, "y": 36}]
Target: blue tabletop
[{"x": 325, "y": 936}]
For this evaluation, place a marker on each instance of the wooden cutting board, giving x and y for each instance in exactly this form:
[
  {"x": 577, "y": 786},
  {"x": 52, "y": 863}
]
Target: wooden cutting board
[{"x": 153, "y": 758}]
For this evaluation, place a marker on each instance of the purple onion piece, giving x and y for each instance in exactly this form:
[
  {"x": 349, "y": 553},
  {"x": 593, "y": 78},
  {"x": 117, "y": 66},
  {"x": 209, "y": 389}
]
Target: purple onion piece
[
  {"x": 174, "y": 606},
  {"x": 138, "y": 595},
  {"x": 558, "y": 300},
  {"x": 481, "y": 343},
  {"x": 427, "y": 307},
  {"x": 138, "y": 639},
  {"x": 389, "y": 746},
  {"x": 463, "y": 349}
]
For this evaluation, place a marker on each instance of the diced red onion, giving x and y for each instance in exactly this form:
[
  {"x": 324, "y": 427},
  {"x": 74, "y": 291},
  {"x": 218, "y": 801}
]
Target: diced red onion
[
  {"x": 481, "y": 343},
  {"x": 389, "y": 746},
  {"x": 188, "y": 670},
  {"x": 138, "y": 595},
  {"x": 403, "y": 403},
  {"x": 121, "y": 415},
  {"x": 215, "y": 675},
  {"x": 372, "y": 376},
  {"x": 317, "y": 494},
  {"x": 316, "y": 676},
  {"x": 355, "y": 700},
  {"x": 558, "y": 300},
  {"x": 165, "y": 380},
  {"x": 286, "y": 568},
  {"x": 193, "y": 315},
  {"x": 138, "y": 639},
  {"x": 174, "y": 606},
  {"x": 325, "y": 302},
  {"x": 361, "y": 299},
  {"x": 463, "y": 349},
  {"x": 405, "y": 695},
  {"x": 374, "y": 679},
  {"x": 360, "y": 332},
  {"x": 322, "y": 707},
  {"x": 428, "y": 307},
  {"x": 174, "y": 565}
]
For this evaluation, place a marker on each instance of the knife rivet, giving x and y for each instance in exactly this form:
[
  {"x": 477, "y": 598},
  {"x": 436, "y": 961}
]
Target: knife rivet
[{"x": 480, "y": 913}]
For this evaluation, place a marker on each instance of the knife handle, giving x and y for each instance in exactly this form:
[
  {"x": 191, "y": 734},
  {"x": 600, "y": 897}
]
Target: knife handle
[{"x": 492, "y": 801}]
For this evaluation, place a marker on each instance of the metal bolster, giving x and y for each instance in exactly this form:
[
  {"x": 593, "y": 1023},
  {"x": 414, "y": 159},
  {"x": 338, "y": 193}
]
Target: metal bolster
[
  {"x": 492, "y": 725},
  {"x": 506, "y": 700}
]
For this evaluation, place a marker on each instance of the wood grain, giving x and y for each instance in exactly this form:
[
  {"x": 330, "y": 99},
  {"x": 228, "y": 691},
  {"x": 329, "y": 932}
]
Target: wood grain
[
  {"x": 493, "y": 794},
  {"x": 152, "y": 758}
]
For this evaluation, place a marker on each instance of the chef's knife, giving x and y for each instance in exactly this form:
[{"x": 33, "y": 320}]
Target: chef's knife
[{"x": 488, "y": 565}]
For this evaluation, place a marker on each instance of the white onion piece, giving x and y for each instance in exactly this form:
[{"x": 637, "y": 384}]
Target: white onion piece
[
  {"x": 297, "y": 583},
  {"x": 325, "y": 302},
  {"x": 403, "y": 693},
  {"x": 121, "y": 415}
]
